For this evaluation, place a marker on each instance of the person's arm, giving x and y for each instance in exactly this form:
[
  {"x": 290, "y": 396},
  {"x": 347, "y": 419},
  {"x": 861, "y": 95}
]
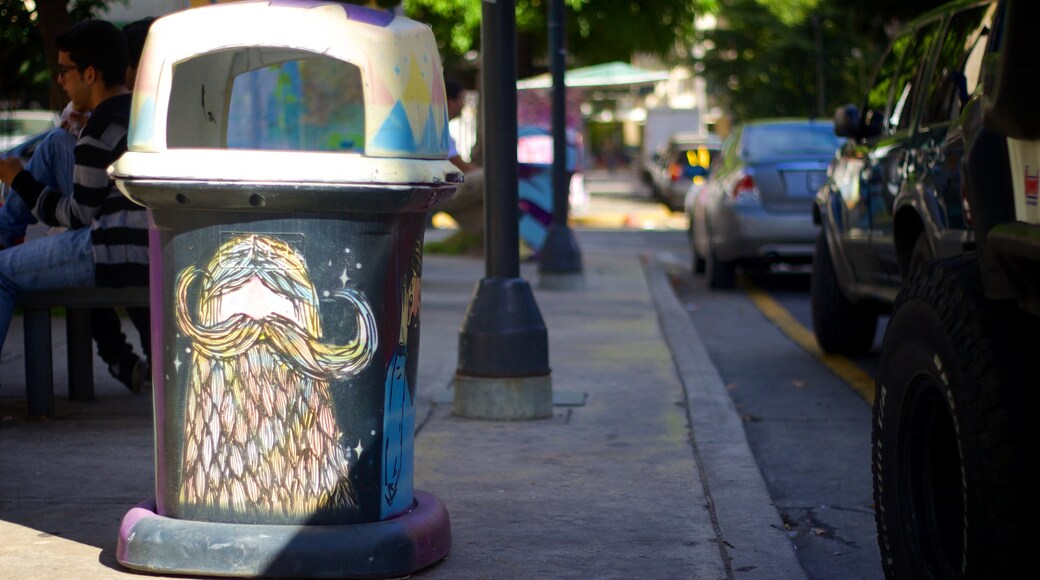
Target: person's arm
[
  {"x": 9, "y": 169},
  {"x": 95, "y": 151},
  {"x": 456, "y": 159},
  {"x": 44, "y": 201},
  {"x": 462, "y": 165}
]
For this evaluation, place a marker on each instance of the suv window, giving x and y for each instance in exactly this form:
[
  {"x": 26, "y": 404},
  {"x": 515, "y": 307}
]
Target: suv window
[
  {"x": 877, "y": 97},
  {"x": 890, "y": 101},
  {"x": 958, "y": 65}
]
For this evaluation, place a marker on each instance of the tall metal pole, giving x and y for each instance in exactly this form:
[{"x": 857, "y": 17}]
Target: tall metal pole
[
  {"x": 560, "y": 259},
  {"x": 498, "y": 117},
  {"x": 503, "y": 370}
]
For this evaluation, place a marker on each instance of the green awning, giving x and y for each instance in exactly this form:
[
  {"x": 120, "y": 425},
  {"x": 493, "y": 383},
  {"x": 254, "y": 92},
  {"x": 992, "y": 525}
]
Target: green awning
[{"x": 611, "y": 74}]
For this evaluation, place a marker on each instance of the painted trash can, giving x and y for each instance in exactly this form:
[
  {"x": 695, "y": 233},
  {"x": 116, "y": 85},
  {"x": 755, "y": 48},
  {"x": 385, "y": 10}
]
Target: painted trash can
[{"x": 288, "y": 153}]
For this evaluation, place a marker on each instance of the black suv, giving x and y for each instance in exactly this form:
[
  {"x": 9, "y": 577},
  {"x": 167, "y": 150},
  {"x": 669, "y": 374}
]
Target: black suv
[
  {"x": 893, "y": 196},
  {"x": 954, "y": 423}
]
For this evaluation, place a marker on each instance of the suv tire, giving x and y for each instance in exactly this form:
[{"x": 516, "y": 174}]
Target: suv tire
[
  {"x": 697, "y": 264},
  {"x": 950, "y": 444},
  {"x": 841, "y": 327},
  {"x": 921, "y": 253},
  {"x": 721, "y": 275}
]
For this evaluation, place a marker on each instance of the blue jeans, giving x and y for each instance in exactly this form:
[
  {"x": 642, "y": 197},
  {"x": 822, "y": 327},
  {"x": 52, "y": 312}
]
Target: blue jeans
[
  {"x": 64, "y": 260},
  {"x": 51, "y": 165}
]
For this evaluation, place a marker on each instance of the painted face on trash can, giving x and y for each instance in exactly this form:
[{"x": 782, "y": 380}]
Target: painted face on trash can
[{"x": 260, "y": 433}]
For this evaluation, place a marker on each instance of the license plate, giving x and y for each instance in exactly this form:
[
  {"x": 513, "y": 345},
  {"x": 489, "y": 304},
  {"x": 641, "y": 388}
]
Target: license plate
[
  {"x": 803, "y": 183},
  {"x": 816, "y": 180}
]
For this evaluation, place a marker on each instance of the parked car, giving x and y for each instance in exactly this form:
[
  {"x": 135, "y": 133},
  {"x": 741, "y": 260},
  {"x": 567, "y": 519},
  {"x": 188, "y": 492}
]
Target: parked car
[
  {"x": 756, "y": 208},
  {"x": 19, "y": 125},
  {"x": 893, "y": 199},
  {"x": 24, "y": 151},
  {"x": 953, "y": 442},
  {"x": 662, "y": 123},
  {"x": 683, "y": 159}
]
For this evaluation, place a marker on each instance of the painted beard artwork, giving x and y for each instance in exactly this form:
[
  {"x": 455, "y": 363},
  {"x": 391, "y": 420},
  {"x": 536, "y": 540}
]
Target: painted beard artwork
[{"x": 260, "y": 436}]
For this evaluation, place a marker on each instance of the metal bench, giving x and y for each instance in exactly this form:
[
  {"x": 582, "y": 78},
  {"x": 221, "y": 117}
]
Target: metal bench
[{"x": 39, "y": 369}]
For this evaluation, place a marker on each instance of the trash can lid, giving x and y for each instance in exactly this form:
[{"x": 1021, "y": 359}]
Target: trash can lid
[
  {"x": 231, "y": 165},
  {"x": 181, "y": 106}
]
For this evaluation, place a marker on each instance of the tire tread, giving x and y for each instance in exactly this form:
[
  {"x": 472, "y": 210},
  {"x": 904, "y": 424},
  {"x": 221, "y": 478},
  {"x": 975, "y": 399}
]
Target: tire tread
[{"x": 989, "y": 389}]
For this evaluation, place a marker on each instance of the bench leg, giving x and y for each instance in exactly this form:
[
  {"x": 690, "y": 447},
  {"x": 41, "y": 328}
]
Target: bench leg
[
  {"x": 39, "y": 369},
  {"x": 81, "y": 354}
]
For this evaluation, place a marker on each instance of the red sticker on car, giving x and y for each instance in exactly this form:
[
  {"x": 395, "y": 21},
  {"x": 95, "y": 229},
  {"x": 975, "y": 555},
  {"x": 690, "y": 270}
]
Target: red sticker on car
[{"x": 1031, "y": 186}]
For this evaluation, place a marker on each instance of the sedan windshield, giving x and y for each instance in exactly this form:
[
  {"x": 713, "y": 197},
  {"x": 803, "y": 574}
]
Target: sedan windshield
[{"x": 789, "y": 140}]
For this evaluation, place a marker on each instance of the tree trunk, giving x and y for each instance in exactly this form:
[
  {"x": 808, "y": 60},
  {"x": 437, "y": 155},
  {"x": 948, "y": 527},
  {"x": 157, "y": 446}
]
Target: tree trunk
[{"x": 53, "y": 20}]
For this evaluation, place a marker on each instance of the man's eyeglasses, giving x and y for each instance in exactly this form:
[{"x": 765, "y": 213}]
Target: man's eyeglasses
[{"x": 62, "y": 69}]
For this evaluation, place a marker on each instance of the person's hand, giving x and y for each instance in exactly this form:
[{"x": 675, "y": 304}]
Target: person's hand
[
  {"x": 73, "y": 120},
  {"x": 9, "y": 168}
]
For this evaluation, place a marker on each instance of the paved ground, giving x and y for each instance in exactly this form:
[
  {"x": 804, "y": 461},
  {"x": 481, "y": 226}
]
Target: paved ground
[{"x": 648, "y": 475}]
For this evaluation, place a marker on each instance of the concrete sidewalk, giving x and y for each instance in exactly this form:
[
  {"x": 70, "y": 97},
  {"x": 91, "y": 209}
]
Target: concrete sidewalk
[{"x": 614, "y": 485}]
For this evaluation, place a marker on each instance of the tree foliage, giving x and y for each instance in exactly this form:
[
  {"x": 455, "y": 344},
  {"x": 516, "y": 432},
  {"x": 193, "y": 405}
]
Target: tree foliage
[
  {"x": 28, "y": 57},
  {"x": 597, "y": 30},
  {"x": 763, "y": 57},
  {"x": 761, "y": 60}
]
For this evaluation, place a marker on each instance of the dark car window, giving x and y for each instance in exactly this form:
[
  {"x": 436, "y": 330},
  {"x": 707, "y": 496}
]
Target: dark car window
[
  {"x": 890, "y": 100},
  {"x": 958, "y": 65},
  {"x": 788, "y": 140},
  {"x": 695, "y": 161}
]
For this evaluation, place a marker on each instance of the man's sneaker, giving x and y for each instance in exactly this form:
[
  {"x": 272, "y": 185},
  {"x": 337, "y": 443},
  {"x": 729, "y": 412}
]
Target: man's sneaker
[{"x": 132, "y": 372}]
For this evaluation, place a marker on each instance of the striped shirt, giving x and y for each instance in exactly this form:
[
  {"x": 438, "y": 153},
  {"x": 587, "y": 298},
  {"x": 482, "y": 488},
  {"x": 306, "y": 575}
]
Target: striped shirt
[{"x": 119, "y": 227}]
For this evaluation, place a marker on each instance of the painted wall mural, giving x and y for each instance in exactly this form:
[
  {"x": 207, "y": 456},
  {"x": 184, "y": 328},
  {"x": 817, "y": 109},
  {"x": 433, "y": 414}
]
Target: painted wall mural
[
  {"x": 313, "y": 104},
  {"x": 260, "y": 430}
]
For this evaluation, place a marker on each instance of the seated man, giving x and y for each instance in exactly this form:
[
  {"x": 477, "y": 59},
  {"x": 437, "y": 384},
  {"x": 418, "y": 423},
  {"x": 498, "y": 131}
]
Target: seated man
[
  {"x": 107, "y": 240},
  {"x": 466, "y": 207}
]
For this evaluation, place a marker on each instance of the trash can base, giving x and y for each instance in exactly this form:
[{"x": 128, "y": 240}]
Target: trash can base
[{"x": 391, "y": 548}]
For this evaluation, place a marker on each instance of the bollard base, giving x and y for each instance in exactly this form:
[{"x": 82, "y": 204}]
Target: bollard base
[
  {"x": 392, "y": 548},
  {"x": 567, "y": 281},
  {"x": 503, "y": 399},
  {"x": 560, "y": 254}
]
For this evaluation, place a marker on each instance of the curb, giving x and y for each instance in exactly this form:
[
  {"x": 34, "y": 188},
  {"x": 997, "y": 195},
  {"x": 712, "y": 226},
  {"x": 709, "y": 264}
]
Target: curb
[{"x": 752, "y": 537}]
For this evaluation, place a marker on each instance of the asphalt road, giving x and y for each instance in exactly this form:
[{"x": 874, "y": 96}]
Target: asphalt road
[{"x": 808, "y": 427}]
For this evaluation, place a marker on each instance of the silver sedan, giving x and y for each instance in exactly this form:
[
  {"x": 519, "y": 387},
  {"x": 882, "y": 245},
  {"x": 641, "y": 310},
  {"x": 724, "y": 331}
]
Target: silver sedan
[{"x": 755, "y": 210}]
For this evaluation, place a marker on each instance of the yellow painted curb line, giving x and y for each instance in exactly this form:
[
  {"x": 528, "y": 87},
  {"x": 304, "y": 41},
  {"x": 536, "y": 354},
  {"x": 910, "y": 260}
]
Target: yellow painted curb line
[
  {"x": 600, "y": 220},
  {"x": 633, "y": 220},
  {"x": 846, "y": 370}
]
